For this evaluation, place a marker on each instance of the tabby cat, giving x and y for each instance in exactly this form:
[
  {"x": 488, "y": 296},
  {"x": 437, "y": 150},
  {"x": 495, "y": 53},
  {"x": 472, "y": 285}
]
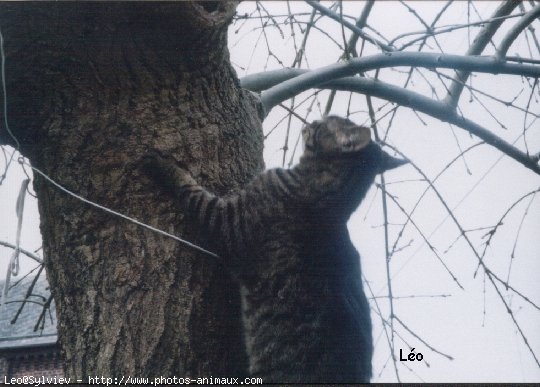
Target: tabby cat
[{"x": 284, "y": 238}]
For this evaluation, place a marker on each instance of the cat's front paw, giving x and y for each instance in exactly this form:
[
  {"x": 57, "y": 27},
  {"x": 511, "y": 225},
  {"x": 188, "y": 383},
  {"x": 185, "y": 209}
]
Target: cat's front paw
[
  {"x": 166, "y": 171},
  {"x": 156, "y": 166},
  {"x": 151, "y": 161}
]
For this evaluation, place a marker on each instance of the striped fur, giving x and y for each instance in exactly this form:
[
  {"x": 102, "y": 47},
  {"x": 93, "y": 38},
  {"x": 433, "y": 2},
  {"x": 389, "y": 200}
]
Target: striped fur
[{"x": 284, "y": 238}]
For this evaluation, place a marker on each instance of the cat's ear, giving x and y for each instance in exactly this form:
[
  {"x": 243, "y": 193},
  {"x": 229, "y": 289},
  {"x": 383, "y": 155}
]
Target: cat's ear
[{"x": 388, "y": 162}]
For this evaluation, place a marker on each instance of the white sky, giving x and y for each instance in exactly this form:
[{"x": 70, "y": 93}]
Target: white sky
[{"x": 471, "y": 325}]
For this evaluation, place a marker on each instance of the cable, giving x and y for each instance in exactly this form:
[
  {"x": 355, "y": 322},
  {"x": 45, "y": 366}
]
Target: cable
[
  {"x": 4, "y": 91},
  {"x": 132, "y": 220}
]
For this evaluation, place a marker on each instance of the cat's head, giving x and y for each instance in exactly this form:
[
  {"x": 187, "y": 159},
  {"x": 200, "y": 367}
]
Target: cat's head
[{"x": 335, "y": 136}]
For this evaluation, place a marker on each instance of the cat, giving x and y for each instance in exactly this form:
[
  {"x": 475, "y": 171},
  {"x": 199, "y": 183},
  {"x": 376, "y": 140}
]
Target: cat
[{"x": 284, "y": 238}]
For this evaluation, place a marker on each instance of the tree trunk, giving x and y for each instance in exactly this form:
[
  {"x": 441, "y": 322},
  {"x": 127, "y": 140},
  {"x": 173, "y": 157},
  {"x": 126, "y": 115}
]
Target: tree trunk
[{"x": 91, "y": 87}]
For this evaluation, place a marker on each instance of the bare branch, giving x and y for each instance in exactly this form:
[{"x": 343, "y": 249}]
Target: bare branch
[
  {"x": 426, "y": 240},
  {"x": 422, "y": 340},
  {"x": 351, "y": 47},
  {"x": 386, "y": 237},
  {"x": 443, "y": 30},
  {"x": 480, "y": 42},
  {"x": 516, "y": 30},
  {"x": 378, "y": 310},
  {"x": 25, "y": 252},
  {"x": 492, "y": 232},
  {"x": 360, "y": 23},
  {"x": 521, "y": 333},
  {"x": 28, "y": 295},
  {"x": 291, "y": 87},
  {"x": 436, "y": 109},
  {"x": 331, "y": 14},
  {"x": 300, "y": 52},
  {"x": 508, "y": 286},
  {"x": 531, "y": 29}
]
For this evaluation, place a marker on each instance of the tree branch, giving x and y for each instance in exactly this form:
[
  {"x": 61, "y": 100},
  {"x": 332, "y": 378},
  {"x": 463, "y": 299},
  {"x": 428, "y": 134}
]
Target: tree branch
[
  {"x": 350, "y": 47},
  {"x": 480, "y": 42},
  {"x": 35, "y": 257},
  {"x": 331, "y": 14},
  {"x": 360, "y": 23},
  {"x": 287, "y": 89},
  {"x": 404, "y": 97},
  {"x": 444, "y": 30},
  {"x": 526, "y": 20}
]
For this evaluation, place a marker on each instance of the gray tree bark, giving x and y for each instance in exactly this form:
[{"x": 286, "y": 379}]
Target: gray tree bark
[{"x": 91, "y": 87}]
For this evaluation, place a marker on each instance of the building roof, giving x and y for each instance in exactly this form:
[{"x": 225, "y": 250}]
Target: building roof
[{"x": 23, "y": 332}]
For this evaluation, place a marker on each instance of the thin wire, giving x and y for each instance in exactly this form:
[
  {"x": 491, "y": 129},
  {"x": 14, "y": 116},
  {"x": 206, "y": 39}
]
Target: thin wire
[
  {"x": 157, "y": 230},
  {"x": 4, "y": 91}
]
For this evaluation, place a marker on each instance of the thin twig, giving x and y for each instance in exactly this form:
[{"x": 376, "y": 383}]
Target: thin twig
[{"x": 422, "y": 340}]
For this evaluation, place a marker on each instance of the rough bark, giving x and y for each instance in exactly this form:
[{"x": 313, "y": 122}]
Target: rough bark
[{"x": 91, "y": 87}]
